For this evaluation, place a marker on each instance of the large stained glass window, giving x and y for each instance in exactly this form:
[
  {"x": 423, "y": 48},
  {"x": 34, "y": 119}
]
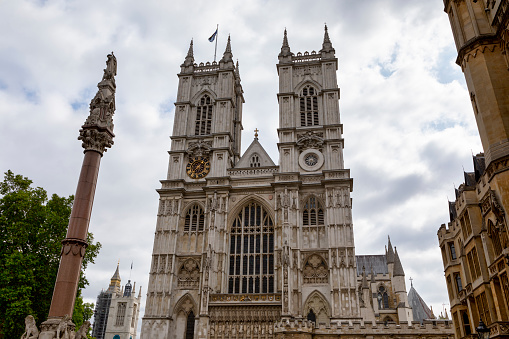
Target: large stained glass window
[{"x": 252, "y": 251}]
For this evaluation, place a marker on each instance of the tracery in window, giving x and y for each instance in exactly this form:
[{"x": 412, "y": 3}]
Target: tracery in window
[
  {"x": 121, "y": 307},
  {"x": 255, "y": 161},
  {"x": 383, "y": 298},
  {"x": 203, "y": 116},
  {"x": 315, "y": 270},
  {"x": 195, "y": 219},
  {"x": 308, "y": 106},
  {"x": 312, "y": 214},
  {"x": 252, "y": 251},
  {"x": 189, "y": 274},
  {"x": 317, "y": 306}
]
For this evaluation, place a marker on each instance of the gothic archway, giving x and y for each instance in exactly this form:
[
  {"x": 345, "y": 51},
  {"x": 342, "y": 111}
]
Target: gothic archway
[{"x": 319, "y": 306}]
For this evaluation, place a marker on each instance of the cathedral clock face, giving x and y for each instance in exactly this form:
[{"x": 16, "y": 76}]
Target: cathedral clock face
[{"x": 198, "y": 167}]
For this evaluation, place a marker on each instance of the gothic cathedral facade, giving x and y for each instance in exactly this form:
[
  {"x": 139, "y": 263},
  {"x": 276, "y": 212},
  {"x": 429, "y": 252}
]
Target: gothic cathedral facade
[{"x": 241, "y": 243}]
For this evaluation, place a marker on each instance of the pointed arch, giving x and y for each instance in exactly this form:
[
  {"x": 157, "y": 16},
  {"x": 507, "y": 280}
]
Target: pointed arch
[
  {"x": 320, "y": 307},
  {"x": 300, "y": 86},
  {"x": 382, "y": 297},
  {"x": 205, "y": 91},
  {"x": 185, "y": 305},
  {"x": 251, "y": 249}
]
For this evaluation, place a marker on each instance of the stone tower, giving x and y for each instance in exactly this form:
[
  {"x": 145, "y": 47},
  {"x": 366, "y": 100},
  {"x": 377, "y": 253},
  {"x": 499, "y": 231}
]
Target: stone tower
[
  {"x": 245, "y": 248},
  {"x": 123, "y": 313}
]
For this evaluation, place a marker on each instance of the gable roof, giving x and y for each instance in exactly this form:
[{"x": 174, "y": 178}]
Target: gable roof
[
  {"x": 420, "y": 310},
  {"x": 255, "y": 148}
]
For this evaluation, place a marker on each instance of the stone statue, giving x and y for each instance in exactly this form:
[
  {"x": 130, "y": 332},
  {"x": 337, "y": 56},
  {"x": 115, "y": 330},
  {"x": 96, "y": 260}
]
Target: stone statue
[
  {"x": 63, "y": 328},
  {"x": 82, "y": 332},
  {"x": 31, "y": 331}
]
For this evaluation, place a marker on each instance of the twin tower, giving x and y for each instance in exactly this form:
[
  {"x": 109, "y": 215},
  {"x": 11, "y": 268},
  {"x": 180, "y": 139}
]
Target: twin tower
[{"x": 242, "y": 244}]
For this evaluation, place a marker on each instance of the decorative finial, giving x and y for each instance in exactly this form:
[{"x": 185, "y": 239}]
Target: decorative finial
[
  {"x": 285, "y": 48},
  {"x": 327, "y": 45},
  {"x": 256, "y": 133},
  {"x": 96, "y": 133},
  {"x": 189, "y": 60},
  {"x": 227, "y": 55},
  {"x": 411, "y": 282}
]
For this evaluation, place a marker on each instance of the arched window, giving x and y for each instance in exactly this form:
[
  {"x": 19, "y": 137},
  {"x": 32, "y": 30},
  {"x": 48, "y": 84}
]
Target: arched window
[
  {"x": 195, "y": 220},
  {"x": 312, "y": 214},
  {"x": 255, "y": 161},
  {"x": 383, "y": 298},
  {"x": 252, "y": 251},
  {"x": 308, "y": 106},
  {"x": 190, "y": 326},
  {"x": 203, "y": 116}
]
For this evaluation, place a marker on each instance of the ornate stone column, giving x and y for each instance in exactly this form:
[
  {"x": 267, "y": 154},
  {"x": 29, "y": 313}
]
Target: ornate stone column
[{"x": 96, "y": 135}]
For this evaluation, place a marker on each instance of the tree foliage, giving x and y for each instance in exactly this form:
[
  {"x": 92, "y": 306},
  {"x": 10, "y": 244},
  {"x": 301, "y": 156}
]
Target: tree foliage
[{"x": 31, "y": 230}]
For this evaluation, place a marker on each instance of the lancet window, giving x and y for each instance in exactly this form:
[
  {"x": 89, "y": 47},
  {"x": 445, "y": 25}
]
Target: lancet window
[
  {"x": 252, "y": 251},
  {"x": 383, "y": 298},
  {"x": 203, "y": 116},
  {"x": 120, "y": 314},
  {"x": 195, "y": 220},
  {"x": 190, "y": 326},
  {"x": 312, "y": 214},
  {"x": 496, "y": 238},
  {"x": 308, "y": 106}
]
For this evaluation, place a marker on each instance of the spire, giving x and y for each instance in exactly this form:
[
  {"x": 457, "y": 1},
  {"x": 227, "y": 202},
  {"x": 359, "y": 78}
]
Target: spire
[
  {"x": 285, "y": 49},
  {"x": 227, "y": 55},
  {"x": 189, "y": 60},
  {"x": 115, "y": 281},
  {"x": 327, "y": 45},
  {"x": 237, "y": 68},
  {"x": 398, "y": 268},
  {"x": 390, "y": 252}
]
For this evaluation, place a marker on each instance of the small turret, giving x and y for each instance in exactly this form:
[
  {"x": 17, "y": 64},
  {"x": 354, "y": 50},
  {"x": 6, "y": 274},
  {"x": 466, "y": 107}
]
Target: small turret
[
  {"x": 115, "y": 281},
  {"x": 189, "y": 60},
  {"x": 285, "y": 54},
  {"x": 227, "y": 55},
  {"x": 327, "y": 49}
]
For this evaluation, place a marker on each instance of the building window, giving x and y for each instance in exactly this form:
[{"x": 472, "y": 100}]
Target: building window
[
  {"x": 473, "y": 264},
  {"x": 203, "y": 116},
  {"x": 452, "y": 250},
  {"x": 195, "y": 220},
  {"x": 457, "y": 278},
  {"x": 495, "y": 238},
  {"x": 190, "y": 326},
  {"x": 255, "y": 161},
  {"x": 189, "y": 274},
  {"x": 311, "y": 316},
  {"x": 312, "y": 215},
  {"x": 120, "y": 314},
  {"x": 482, "y": 307},
  {"x": 252, "y": 251},
  {"x": 309, "y": 106},
  {"x": 466, "y": 323},
  {"x": 383, "y": 298}
]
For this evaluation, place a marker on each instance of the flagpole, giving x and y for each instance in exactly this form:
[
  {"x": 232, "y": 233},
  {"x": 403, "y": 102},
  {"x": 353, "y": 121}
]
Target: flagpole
[{"x": 215, "y": 50}]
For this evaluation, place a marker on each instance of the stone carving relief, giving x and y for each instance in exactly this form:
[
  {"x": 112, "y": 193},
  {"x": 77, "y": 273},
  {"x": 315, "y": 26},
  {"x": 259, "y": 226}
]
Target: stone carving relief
[
  {"x": 189, "y": 274},
  {"x": 310, "y": 140},
  {"x": 315, "y": 270},
  {"x": 199, "y": 149}
]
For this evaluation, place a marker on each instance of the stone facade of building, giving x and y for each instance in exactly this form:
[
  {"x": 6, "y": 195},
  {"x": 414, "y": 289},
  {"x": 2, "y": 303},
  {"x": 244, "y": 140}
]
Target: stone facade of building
[
  {"x": 245, "y": 248},
  {"x": 474, "y": 244}
]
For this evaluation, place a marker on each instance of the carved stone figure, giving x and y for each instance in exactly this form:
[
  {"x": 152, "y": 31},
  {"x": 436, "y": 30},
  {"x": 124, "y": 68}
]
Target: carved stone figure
[
  {"x": 82, "y": 332},
  {"x": 31, "y": 331},
  {"x": 63, "y": 328}
]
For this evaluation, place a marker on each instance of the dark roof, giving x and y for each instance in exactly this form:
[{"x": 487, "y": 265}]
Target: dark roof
[
  {"x": 390, "y": 252},
  {"x": 469, "y": 178},
  {"x": 452, "y": 211},
  {"x": 420, "y": 310},
  {"x": 398, "y": 268},
  {"x": 376, "y": 262},
  {"x": 479, "y": 165}
]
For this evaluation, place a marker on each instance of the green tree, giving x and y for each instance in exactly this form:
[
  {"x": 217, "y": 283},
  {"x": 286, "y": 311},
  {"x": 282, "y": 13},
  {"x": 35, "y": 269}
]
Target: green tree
[{"x": 31, "y": 230}]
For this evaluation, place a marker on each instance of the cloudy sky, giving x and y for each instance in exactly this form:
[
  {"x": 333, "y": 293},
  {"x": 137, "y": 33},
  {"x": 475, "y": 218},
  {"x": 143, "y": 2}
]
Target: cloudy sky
[{"x": 408, "y": 123}]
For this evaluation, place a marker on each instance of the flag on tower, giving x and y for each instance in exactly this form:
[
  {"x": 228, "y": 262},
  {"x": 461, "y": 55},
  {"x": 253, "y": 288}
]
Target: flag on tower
[{"x": 213, "y": 36}]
